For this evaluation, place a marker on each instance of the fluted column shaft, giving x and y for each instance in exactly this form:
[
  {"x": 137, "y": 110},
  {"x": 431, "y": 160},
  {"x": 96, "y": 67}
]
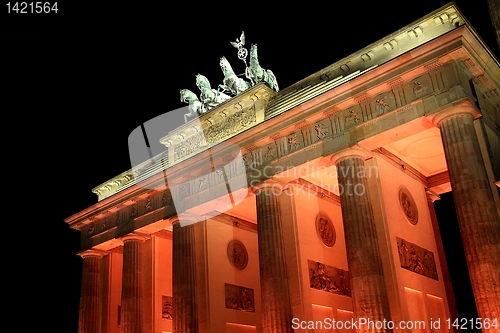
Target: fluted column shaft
[
  {"x": 184, "y": 280},
  {"x": 132, "y": 286},
  {"x": 476, "y": 212},
  {"x": 369, "y": 294},
  {"x": 90, "y": 294},
  {"x": 275, "y": 293}
]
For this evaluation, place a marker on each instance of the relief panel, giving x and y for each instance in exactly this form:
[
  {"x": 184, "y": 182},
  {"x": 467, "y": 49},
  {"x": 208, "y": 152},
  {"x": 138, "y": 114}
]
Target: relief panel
[
  {"x": 383, "y": 103},
  {"x": 239, "y": 298},
  {"x": 416, "y": 259},
  {"x": 352, "y": 116},
  {"x": 328, "y": 278},
  {"x": 421, "y": 87},
  {"x": 167, "y": 311}
]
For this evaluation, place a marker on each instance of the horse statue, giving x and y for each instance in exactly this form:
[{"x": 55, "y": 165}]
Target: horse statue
[
  {"x": 257, "y": 74},
  {"x": 209, "y": 97},
  {"x": 196, "y": 107},
  {"x": 232, "y": 82}
]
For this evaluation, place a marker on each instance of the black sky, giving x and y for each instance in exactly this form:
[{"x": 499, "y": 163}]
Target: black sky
[{"x": 79, "y": 81}]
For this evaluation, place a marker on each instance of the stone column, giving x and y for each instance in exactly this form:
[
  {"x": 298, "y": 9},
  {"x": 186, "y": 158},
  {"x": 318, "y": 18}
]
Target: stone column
[
  {"x": 275, "y": 293},
  {"x": 90, "y": 294},
  {"x": 132, "y": 284},
  {"x": 369, "y": 294},
  {"x": 184, "y": 279},
  {"x": 477, "y": 215}
]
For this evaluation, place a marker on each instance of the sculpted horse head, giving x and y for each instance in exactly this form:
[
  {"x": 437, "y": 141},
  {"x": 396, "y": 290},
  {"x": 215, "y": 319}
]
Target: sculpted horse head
[
  {"x": 187, "y": 96},
  {"x": 202, "y": 82},
  {"x": 254, "y": 59},
  {"x": 225, "y": 66}
]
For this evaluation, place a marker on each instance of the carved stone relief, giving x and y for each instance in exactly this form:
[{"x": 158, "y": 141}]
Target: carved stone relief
[
  {"x": 220, "y": 174},
  {"x": 237, "y": 254},
  {"x": 321, "y": 130},
  {"x": 247, "y": 159},
  {"x": 384, "y": 103},
  {"x": 421, "y": 87},
  {"x": 270, "y": 152},
  {"x": 328, "y": 278},
  {"x": 239, "y": 298},
  {"x": 294, "y": 141},
  {"x": 416, "y": 259},
  {"x": 224, "y": 125},
  {"x": 167, "y": 310},
  {"x": 352, "y": 117},
  {"x": 326, "y": 231},
  {"x": 408, "y": 205},
  {"x": 202, "y": 182},
  {"x": 188, "y": 146}
]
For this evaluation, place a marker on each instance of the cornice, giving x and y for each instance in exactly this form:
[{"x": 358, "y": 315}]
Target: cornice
[{"x": 412, "y": 36}]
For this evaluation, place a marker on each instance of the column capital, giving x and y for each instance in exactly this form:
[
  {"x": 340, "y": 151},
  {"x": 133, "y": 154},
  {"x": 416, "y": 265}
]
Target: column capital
[
  {"x": 464, "y": 108},
  {"x": 92, "y": 253},
  {"x": 270, "y": 183},
  {"x": 135, "y": 236},
  {"x": 431, "y": 195},
  {"x": 354, "y": 151},
  {"x": 186, "y": 219}
]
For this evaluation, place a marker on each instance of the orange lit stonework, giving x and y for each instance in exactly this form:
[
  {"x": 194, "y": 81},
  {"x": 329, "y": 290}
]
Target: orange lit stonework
[{"x": 365, "y": 146}]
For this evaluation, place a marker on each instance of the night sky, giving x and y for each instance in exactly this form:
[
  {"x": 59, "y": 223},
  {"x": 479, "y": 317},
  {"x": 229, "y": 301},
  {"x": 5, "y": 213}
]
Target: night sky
[{"x": 76, "y": 83}]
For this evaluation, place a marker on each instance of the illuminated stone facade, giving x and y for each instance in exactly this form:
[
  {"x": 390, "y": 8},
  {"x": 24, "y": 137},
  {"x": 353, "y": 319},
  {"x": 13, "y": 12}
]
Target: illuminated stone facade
[{"x": 324, "y": 210}]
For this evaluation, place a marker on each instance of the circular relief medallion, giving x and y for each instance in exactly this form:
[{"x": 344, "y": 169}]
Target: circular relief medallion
[
  {"x": 325, "y": 230},
  {"x": 237, "y": 254},
  {"x": 408, "y": 205}
]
